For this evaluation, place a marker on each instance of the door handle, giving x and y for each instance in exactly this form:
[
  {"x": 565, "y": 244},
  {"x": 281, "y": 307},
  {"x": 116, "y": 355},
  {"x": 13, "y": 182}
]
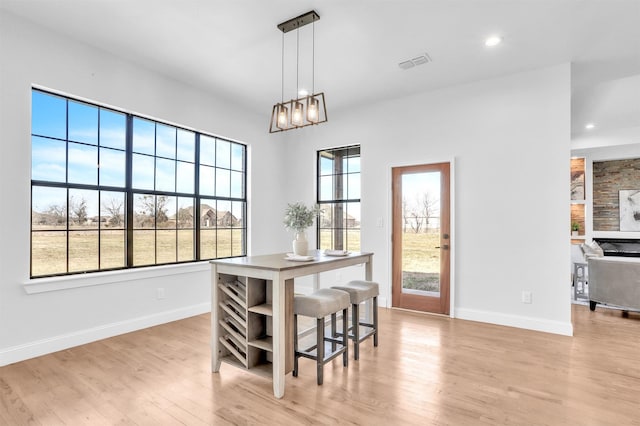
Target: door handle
[{"x": 446, "y": 247}]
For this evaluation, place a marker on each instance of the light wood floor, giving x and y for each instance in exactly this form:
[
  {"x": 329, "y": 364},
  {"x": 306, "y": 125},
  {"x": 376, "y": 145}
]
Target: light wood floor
[{"x": 427, "y": 370}]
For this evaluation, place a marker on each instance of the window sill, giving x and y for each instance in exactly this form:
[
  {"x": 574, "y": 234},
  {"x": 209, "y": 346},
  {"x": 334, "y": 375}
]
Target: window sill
[{"x": 43, "y": 285}]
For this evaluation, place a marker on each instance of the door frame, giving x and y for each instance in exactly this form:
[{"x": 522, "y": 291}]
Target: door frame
[{"x": 452, "y": 228}]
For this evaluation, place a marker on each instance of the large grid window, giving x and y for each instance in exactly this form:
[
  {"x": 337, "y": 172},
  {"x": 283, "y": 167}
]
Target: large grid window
[
  {"x": 111, "y": 190},
  {"x": 339, "y": 198}
]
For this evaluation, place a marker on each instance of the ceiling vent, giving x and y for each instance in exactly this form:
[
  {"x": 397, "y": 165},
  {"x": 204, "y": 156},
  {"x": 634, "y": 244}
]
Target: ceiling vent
[{"x": 418, "y": 60}]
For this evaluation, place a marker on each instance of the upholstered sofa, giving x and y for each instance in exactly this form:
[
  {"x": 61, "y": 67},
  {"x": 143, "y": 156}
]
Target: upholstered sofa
[{"x": 614, "y": 281}]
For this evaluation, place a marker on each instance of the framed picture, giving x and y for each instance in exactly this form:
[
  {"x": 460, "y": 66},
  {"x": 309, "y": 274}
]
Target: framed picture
[
  {"x": 577, "y": 178},
  {"x": 629, "y": 210}
]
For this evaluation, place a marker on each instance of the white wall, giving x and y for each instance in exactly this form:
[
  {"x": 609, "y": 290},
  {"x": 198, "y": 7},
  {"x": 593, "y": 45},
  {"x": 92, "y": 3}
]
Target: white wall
[
  {"x": 510, "y": 138},
  {"x": 32, "y": 324}
]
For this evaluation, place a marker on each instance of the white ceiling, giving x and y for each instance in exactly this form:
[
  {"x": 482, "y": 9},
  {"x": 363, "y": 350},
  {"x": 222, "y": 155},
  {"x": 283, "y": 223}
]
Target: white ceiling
[{"x": 233, "y": 48}]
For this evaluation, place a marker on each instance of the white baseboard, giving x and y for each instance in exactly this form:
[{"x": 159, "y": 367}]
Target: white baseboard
[
  {"x": 65, "y": 341},
  {"x": 518, "y": 321}
]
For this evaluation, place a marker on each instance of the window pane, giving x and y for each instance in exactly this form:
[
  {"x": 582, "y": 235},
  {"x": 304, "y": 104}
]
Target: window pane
[
  {"x": 237, "y": 211},
  {"x": 353, "y": 165},
  {"x": 143, "y": 136},
  {"x": 83, "y": 209},
  {"x": 144, "y": 211},
  {"x": 83, "y": 251},
  {"x": 48, "y": 159},
  {"x": 224, "y": 217},
  {"x": 144, "y": 247},
  {"x": 113, "y": 129},
  {"x": 142, "y": 172},
  {"x": 83, "y": 164},
  {"x": 207, "y": 214},
  {"x": 112, "y": 249},
  {"x": 112, "y": 209},
  {"x": 326, "y": 188},
  {"x": 48, "y": 115},
  {"x": 223, "y": 154},
  {"x": 165, "y": 141},
  {"x": 185, "y": 245},
  {"x": 112, "y": 170},
  {"x": 166, "y": 246},
  {"x": 326, "y": 165},
  {"x": 237, "y": 157},
  {"x": 353, "y": 186},
  {"x": 237, "y": 242},
  {"x": 207, "y": 150},
  {"x": 83, "y": 123},
  {"x": 166, "y": 211},
  {"x": 208, "y": 244},
  {"x": 165, "y": 175},
  {"x": 185, "y": 213},
  {"x": 237, "y": 184},
  {"x": 48, "y": 253},
  {"x": 223, "y": 183},
  {"x": 207, "y": 180},
  {"x": 49, "y": 208},
  {"x": 185, "y": 177},
  {"x": 186, "y": 145},
  {"x": 224, "y": 242}
]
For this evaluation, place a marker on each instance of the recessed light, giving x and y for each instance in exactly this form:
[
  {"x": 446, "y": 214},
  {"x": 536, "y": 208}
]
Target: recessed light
[
  {"x": 303, "y": 92},
  {"x": 590, "y": 126},
  {"x": 493, "y": 41}
]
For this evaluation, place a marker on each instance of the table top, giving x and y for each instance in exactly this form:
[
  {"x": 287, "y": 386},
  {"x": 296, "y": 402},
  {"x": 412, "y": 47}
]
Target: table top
[{"x": 279, "y": 262}]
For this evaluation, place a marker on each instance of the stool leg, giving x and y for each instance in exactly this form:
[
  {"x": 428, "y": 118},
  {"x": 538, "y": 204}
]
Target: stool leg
[
  {"x": 295, "y": 346},
  {"x": 355, "y": 325},
  {"x": 333, "y": 331},
  {"x": 320, "y": 349},
  {"x": 345, "y": 337},
  {"x": 375, "y": 321}
]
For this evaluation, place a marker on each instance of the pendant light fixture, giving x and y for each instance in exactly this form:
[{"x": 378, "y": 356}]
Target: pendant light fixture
[{"x": 301, "y": 111}]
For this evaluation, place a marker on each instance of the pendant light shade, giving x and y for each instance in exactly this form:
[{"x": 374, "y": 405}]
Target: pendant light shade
[
  {"x": 282, "y": 116},
  {"x": 306, "y": 110},
  {"x": 312, "y": 109}
]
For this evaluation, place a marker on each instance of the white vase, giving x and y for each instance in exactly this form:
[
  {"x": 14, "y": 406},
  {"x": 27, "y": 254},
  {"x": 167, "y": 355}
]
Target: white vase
[{"x": 300, "y": 244}]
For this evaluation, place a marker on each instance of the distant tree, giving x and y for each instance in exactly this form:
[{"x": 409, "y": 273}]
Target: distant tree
[
  {"x": 78, "y": 210},
  {"x": 114, "y": 208},
  {"x": 405, "y": 214},
  {"x": 429, "y": 208},
  {"x": 57, "y": 214},
  {"x": 185, "y": 218},
  {"x": 155, "y": 207}
]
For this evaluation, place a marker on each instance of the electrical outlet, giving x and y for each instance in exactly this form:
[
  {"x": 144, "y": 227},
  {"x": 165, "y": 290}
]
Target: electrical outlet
[
  {"x": 160, "y": 293},
  {"x": 526, "y": 297},
  {"x": 380, "y": 222}
]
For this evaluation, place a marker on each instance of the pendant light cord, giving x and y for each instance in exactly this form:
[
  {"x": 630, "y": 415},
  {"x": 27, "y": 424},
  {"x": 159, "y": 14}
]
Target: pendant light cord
[
  {"x": 282, "y": 73},
  {"x": 313, "y": 58},
  {"x": 297, "y": 59}
]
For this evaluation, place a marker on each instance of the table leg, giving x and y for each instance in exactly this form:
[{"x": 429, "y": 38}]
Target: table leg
[
  {"x": 215, "y": 354},
  {"x": 279, "y": 336}
]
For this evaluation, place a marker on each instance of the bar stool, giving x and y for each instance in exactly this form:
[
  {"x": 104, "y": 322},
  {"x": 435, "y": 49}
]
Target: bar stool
[
  {"x": 359, "y": 291},
  {"x": 318, "y": 305}
]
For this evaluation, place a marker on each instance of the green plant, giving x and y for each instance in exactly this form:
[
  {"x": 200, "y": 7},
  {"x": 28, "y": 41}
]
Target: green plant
[
  {"x": 575, "y": 226},
  {"x": 299, "y": 217}
]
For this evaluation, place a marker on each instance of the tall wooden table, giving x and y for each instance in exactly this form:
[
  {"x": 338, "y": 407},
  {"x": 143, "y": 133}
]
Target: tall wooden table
[{"x": 235, "y": 286}]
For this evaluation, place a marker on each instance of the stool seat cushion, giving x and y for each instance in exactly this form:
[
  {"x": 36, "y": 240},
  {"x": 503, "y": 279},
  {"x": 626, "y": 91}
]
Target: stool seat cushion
[
  {"x": 321, "y": 303},
  {"x": 359, "y": 290}
]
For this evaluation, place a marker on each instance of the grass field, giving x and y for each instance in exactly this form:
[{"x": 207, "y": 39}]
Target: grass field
[
  {"x": 49, "y": 249},
  {"x": 421, "y": 260}
]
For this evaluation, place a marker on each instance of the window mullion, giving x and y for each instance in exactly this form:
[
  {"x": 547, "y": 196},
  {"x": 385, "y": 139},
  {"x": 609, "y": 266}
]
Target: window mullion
[{"x": 129, "y": 192}]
